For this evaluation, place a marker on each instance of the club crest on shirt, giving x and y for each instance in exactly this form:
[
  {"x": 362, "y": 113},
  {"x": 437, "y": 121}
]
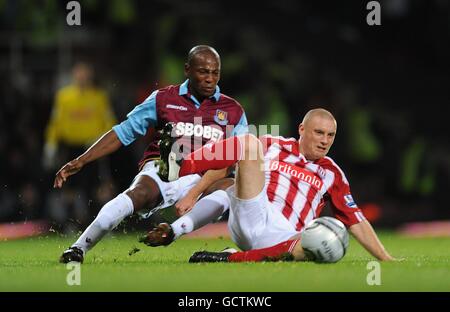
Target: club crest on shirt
[{"x": 221, "y": 117}]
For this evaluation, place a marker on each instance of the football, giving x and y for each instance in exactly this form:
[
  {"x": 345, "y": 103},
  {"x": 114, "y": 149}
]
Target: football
[{"x": 325, "y": 239}]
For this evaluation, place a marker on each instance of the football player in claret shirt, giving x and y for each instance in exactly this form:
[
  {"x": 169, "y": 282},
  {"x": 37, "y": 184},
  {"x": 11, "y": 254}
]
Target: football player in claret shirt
[
  {"x": 281, "y": 185},
  {"x": 199, "y": 112}
]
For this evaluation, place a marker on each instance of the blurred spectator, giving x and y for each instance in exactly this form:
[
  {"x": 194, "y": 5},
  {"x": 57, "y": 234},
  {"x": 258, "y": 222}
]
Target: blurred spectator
[{"x": 80, "y": 115}]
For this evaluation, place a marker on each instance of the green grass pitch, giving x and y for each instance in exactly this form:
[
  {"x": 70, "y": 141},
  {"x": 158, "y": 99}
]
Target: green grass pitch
[{"x": 31, "y": 265}]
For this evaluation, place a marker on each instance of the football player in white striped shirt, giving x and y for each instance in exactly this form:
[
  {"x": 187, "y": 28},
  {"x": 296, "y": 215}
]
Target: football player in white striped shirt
[{"x": 281, "y": 185}]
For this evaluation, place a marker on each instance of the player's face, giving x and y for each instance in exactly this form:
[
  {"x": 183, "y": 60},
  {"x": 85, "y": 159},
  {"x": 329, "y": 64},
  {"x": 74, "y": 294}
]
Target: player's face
[
  {"x": 203, "y": 74},
  {"x": 316, "y": 137}
]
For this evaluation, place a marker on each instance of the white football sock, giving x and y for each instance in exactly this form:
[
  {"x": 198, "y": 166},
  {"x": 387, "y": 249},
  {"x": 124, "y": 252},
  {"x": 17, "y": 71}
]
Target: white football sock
[
  {"x": 112, "y": 213},
  {"x": 206, "y": 210}
]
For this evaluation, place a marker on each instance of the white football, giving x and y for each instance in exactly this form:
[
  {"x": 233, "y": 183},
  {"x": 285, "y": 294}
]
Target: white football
[{"x": 325, "y": 239}]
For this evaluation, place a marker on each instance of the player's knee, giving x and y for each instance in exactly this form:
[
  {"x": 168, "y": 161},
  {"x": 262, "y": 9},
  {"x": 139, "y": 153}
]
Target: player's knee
[
  {"x": 138, "y": 196},
  {"x": 144, "y": 196},
  {"x": 252, "y": 147}
]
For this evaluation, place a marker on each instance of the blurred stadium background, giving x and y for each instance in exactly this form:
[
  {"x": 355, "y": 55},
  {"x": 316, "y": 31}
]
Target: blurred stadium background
[{"x": 387, "y": 85}]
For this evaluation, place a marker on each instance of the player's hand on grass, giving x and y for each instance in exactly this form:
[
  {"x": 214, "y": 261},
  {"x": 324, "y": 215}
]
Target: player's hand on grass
[
  {"x": 185, "y": 204},
  {"x": 66, "y": 171}
]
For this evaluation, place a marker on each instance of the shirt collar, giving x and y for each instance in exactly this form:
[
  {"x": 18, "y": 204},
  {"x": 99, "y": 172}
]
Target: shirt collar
[{"x": 184, "y": 90}]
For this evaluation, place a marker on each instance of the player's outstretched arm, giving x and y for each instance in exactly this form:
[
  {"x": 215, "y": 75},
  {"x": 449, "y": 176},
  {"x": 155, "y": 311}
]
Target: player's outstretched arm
[
  {"x": 366, "y": 236},
  {"x": 106, "y": 145}
]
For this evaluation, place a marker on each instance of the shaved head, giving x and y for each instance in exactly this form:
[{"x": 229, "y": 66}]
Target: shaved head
[
  {"x": 202, "y": 50},
  {"x": 317, "y": 132},
  {"x": 319, "y": 112}
]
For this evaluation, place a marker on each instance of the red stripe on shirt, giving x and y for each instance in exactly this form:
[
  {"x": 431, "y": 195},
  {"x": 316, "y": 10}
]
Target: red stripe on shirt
[
  {"x": 293, "y": 192},
  {"x": 309, "y": 199},
  {"x": 274, "y": 176}
]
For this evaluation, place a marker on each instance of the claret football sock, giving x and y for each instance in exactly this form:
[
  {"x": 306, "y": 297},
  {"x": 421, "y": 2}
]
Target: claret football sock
[
  {"x": 281, "y": 251},
  {"x": 219, "y": 155}
]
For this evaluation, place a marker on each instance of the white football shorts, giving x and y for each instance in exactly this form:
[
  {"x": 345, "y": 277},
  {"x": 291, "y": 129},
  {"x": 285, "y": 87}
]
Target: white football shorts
[
  {"x": 171, "y": 191},
  {"x": 255, "y": 223}
]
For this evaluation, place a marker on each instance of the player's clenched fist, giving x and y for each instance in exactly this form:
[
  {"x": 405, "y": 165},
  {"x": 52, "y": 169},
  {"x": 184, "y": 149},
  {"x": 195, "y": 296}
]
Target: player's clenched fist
[{"x": 66, "y": 171}]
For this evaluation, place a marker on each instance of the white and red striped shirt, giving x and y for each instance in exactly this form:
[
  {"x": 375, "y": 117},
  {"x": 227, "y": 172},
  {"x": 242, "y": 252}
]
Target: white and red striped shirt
[{"x": 300, "y": 188}]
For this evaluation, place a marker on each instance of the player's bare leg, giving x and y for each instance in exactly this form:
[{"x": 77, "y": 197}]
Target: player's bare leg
[
  {"x": 245, "y": 150},
  {"x": 144, "y": 192},
  {"x": 221, "y": 184},
  {"x": 250, "y": 177}
]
